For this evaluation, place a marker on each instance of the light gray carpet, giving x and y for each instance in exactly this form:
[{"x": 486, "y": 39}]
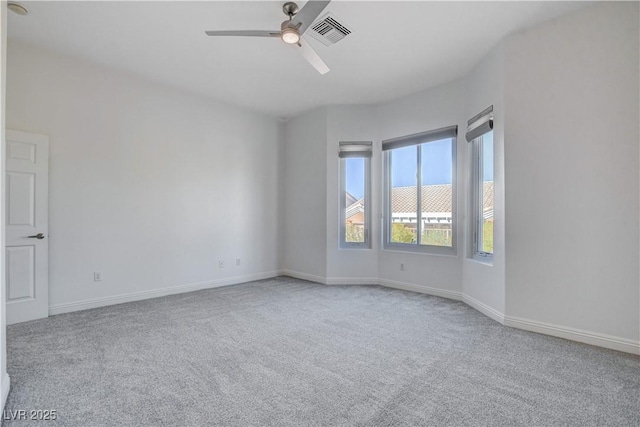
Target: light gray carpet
[{"x": 289, "y": 352}]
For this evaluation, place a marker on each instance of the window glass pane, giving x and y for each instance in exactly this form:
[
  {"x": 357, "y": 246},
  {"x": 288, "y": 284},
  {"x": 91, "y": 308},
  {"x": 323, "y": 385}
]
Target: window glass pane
[
  {"x": 437, "y": 193},
  {"x": 355, "y": 200},
  {"x": 486, "y": 242},
  {"x": 404, "y": 194}
]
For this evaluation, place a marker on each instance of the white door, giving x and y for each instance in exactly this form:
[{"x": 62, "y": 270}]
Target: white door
[{"x": 27, "y": 258}]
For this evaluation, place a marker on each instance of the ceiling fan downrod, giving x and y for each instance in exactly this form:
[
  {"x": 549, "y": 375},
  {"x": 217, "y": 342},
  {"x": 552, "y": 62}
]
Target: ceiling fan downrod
[{"x": 290, "y": 9}]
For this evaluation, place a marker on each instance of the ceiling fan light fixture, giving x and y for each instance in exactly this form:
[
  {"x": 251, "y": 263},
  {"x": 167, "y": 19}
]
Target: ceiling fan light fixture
[{"x": 290, "y": 36}]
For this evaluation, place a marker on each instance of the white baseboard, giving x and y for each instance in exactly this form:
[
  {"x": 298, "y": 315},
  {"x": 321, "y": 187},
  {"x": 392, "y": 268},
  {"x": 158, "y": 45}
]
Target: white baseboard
[
  {"x": 154, "y": 293},
  {"x": 587, "y": 337},
  {"x": 6, "y": 385},
  {"x": 421, "y": 289},
  {"x": 351, "y": 281},
  {"x": 483, "y": 308},
  {"x": 304, "y": 276},
  {"x": 373, "y": 281},
  {"x": 593, "y": 338}
]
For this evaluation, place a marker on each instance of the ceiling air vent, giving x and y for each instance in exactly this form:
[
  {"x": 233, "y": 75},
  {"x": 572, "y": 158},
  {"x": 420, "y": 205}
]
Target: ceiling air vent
[{"x": 328, "y": 30}]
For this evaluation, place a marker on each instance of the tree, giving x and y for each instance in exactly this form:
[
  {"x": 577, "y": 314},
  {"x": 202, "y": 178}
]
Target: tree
[
  {"x": 354, "y": 233},
  {"x": 487, "y": 236},
  {"x": 436, "y": 237},
  {"x": 401, "y": 234}
]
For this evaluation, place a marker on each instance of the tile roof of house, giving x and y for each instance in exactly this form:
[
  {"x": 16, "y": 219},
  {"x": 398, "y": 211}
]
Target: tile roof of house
[
  {"x": 435, "y": 198},
  {"x": 487, "y": 203}
]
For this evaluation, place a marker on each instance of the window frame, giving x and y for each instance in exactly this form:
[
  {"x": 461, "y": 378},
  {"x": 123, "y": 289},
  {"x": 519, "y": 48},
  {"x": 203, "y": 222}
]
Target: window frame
[
  {"x": 388, "y": 216},
  {"x": 343, "y": 244},
  {"x": 477, "y": 201}
]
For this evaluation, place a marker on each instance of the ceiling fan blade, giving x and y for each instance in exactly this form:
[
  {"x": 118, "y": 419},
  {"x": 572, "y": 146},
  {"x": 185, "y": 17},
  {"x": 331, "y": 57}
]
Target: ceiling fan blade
[
  {"x": 250, "y": 33},
  {"x": 313, "y": 58},
  {"x": 309, "y": 13}
]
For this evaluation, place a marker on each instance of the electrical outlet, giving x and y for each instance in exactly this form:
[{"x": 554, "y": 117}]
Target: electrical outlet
[
  {"x": 237, "y": 262},
  {"x": 97, "y": 276},
  {"x": 220, "y": 264}
]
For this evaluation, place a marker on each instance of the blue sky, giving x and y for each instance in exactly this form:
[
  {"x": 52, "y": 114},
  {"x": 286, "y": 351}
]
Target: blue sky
[
  {"x": 436, "y": 166},
  {"x": 355, "y": 177},
  {"x": 487, "y": 163}
]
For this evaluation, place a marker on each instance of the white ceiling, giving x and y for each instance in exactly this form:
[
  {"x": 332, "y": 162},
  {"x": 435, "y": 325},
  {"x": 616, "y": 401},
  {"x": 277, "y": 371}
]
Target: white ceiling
[{"x": 396, "y": 48}]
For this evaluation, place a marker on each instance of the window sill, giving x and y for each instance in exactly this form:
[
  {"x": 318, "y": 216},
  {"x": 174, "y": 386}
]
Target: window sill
[
  {"x": 483, "y": 260},
  {"x": 425, "y": 250},
  {"x": 354, "y": 248}
]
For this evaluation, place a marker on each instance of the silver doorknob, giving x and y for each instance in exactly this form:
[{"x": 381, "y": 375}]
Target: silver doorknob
[{"x": 38, "y": 236}]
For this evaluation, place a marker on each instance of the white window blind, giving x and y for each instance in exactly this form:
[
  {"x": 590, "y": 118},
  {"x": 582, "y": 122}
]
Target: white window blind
[
  {"x": 480, "y": 124},
  {"x": 420, "y": 138},
  {"x": 355, "y": 149}
]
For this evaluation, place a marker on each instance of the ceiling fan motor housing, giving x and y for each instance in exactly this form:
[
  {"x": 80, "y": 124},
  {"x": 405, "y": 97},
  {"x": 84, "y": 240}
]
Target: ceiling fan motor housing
[{"x": 290, "y": 8}]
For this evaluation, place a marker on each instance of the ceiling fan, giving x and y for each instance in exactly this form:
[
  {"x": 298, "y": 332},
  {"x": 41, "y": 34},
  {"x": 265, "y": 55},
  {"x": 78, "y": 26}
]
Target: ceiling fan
[{"x": 291, "y": 30}]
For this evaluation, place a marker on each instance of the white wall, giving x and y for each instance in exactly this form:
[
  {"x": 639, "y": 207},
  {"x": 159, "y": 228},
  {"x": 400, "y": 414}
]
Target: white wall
[
  {"x": 149, "y": 186},
  {"x": 317, "y": 219},
  {"x": 572, "y": 164},
  {"x": 129, "y": 157},
  {"x": 565, "y": 97},
  {"x": 305, "y": 190},
  {"x": 484, "y": 284},
  {"x": 351, "y": 123},
  {"x": 427, "y": 110},
  {"x": 4, "y": 378}
]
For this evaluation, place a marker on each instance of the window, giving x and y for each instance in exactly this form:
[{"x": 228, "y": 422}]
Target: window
[
  {"x": 355, "y": 159},
  {"x": 420, "y": 191},
  {"x": 480, "y": 135}
]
